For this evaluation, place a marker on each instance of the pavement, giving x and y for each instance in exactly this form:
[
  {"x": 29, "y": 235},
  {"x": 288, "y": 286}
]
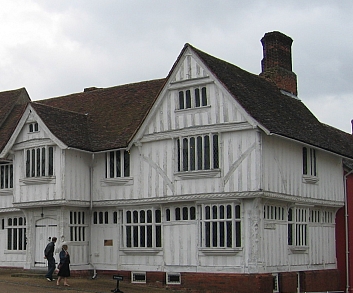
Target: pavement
[{"x": 24, "y": 281}]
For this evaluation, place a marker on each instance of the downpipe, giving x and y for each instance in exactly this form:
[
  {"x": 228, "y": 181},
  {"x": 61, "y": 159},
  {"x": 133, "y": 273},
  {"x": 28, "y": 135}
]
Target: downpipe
[
  {"x": 90, "y": 213},
  {"x": 346, "y": 229}
]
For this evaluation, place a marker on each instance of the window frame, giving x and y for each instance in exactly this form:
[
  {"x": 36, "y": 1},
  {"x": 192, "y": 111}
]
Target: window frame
[
  {"x": 117, "y": 164},
  {"x": 16, "y": 233},
  {"x": 6, "y": 176},
  {"x": 216, "y": 222},
  {"x": 273, "y": 212},
  {"x": 298, "y": 227},
  {"x": 33, "y": 127},
  {"x": 39, "y": 162},
  {"x": 193, "y": 98},
  {"x": 180, "y": 213},
  {"x": 78, "y": 226},
  {"x": 101, "y": 218},
  {"x": 198, "y": 153},
  {"x": 139, "y": 232}
]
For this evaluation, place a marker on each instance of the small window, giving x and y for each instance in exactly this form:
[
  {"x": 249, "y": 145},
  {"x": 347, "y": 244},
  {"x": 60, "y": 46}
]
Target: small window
[
  {"x": 33, "y": 127},
  {"x": 185, "y": 213},
  {"x": 275, "y": 283},
  {"x": 177, "y": 214},
  {"x": 188, "y": 99},
  {"x": 272, "y": 212},
  {"x": 193, "y": 98},
  {"x": 315, "y": 216},
  {"x": 181, "y": 100},
  {"x": 138, "y": 277},
  {"x": 173, "y": 278},
  {"x": 192, "y": 213},
  {"x": 180, "y": 214},
  {"x": 327, "y": 217},
  {"x": 298, "y": 226},
  {"x": 77, "y": 226},
  {"x": 117, "y": 164},
  {"x": 115, "y": 217},
  {"x": 6, "y": 176},
  {"x": 309, "y": 162}
]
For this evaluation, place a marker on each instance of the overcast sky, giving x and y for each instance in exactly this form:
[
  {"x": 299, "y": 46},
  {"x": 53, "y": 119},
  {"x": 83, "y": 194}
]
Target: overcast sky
[{"x": 59, "y": 47}]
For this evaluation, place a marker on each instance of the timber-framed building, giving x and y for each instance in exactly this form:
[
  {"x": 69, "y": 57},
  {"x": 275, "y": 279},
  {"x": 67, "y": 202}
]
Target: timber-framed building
[{"x": 211, "y": 170}]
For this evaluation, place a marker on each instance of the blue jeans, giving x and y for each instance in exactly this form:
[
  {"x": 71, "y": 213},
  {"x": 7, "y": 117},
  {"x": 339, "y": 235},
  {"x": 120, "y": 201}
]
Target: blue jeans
[{"x": 51, "y": 268}]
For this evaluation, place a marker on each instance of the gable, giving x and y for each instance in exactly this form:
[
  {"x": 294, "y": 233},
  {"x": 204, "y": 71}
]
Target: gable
[
  {"x": 192, "y": 100},
  {"x": 188, "y": 68},
  {"x": 30, "y": 131}
]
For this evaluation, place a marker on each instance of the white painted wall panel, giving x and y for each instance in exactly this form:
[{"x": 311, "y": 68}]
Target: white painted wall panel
[
  {"x": 180, "y": 244},
  {"x": 6, "y": 201},
  {"x": 282, "y": 165},
  {"x": 102, "y": 254},
  {"x": 141, "y": 262},
  {"x": 240, "y": 161},
  {"x": 28, "y": 192},
  {"x": 79, "y": 252},
  {"x": 76, "y": 183},
  {"x": 322, "y": 245},
  {"x": 275, "y": 248}
]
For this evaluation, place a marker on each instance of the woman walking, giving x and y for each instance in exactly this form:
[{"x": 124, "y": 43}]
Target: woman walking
[{"x": 64, "y": 266}]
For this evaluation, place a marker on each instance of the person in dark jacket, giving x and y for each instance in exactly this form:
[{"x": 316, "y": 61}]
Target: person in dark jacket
[
  {"x": 49, "y": 255},
  {"x": 64, "y": 266}
]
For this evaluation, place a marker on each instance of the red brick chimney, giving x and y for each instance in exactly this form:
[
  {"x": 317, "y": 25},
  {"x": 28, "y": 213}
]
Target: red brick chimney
[{"x": 277, "y": 61}]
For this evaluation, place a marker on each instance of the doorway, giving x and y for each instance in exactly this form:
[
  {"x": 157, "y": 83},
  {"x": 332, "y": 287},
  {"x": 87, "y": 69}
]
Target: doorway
[{"x": 45, "y": 229}]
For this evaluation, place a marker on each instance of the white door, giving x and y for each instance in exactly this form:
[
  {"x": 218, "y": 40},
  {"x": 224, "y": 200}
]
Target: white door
[{"x": 45, "y": 230}]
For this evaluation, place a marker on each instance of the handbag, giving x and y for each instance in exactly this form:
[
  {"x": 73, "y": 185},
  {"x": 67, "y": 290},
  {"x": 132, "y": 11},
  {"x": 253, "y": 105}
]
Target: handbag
[{"x": 59, "y": 266}]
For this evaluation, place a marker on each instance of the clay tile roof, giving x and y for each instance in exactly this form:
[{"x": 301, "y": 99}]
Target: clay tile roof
[
  {"x": 70, "y": 127},
  {"x": 279, "y": 113},
  {"x": 12, "y": 106},
  {"x": 100, "y": 119}
]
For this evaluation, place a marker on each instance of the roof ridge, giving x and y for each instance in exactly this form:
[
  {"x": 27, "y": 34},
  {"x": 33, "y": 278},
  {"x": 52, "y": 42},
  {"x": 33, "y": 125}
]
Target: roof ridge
[
  {"x": 57, "y": 108},
  {"x": 100, "y": 89}
]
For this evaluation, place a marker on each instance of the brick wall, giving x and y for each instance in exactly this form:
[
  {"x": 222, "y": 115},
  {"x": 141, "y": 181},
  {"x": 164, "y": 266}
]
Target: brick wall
[
  {"x": 230, "y": 283},
  {"x": 288, "y": 282},
  {"x": 324, "y": 280},
  {"x": 310, "y": 281}
]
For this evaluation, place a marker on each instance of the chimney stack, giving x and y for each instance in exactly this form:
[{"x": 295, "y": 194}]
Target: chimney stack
[{"x": 277, "y": 61}]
